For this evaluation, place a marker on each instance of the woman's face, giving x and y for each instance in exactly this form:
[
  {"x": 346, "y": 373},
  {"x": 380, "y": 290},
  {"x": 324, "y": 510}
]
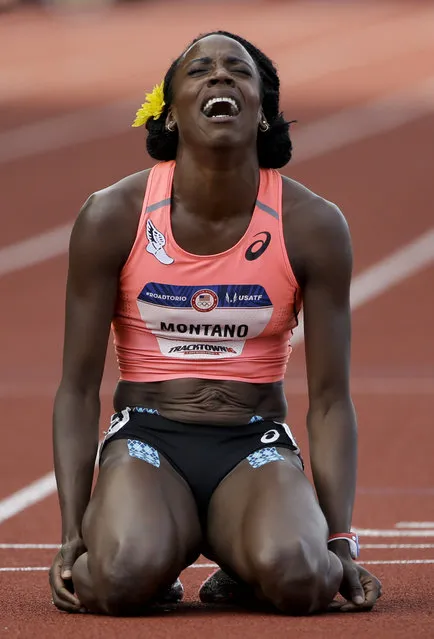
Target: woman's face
[{"x": 217, "y": 95}]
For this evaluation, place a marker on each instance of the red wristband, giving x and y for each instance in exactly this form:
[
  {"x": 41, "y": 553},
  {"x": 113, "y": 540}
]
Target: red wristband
[{"x": 353, "y": 541}]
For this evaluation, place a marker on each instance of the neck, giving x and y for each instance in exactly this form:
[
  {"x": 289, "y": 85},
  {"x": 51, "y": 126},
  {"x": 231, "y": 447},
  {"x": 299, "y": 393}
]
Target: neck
[{"x": 217, "y": 188}]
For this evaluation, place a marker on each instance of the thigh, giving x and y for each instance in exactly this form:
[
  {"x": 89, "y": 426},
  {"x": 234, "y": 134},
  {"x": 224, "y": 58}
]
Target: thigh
[
  {"x": 140, "y": 517},
  {"x": 260, "y": 517}
]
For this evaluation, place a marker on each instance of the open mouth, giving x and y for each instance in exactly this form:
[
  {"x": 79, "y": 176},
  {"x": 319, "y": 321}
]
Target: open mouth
[{"x": 221, "y": 108}]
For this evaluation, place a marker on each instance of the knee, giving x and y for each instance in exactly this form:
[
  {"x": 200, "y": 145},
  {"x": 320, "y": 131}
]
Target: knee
[
  {"x": 128, "y": 582},
  {"x": 297, "y": 578}
]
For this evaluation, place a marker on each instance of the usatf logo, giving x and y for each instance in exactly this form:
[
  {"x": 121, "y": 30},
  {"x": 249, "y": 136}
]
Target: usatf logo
[
  {"x": 231, "y": 300},
  {"x": 204, "y": 300},
  {"x": 242, "y": 298}
]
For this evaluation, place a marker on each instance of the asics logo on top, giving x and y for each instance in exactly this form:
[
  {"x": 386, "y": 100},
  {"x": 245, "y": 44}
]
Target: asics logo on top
[{"x": 258, "y": 247}]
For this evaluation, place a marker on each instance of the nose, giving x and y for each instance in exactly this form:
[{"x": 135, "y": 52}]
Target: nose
[{"x": 221, "y": 75}]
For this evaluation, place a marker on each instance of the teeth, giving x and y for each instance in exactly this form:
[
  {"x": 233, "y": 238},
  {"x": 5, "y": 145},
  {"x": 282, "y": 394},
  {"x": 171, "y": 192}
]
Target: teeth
[{"x": 212, "y": 101}]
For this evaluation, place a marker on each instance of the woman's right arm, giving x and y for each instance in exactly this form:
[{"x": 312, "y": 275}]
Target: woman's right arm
[{"x": 97, "y": 251}]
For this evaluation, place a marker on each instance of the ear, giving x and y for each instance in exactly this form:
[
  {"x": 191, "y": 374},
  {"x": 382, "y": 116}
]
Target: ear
[{"x": 170, "y": 123}]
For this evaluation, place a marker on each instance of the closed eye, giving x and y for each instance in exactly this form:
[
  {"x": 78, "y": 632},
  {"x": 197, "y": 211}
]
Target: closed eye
[{"x": 197, "y": 71}]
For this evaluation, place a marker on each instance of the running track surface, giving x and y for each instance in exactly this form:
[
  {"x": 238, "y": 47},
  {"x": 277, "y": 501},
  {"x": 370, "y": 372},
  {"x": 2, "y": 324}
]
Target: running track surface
[{"x": 333, "y": 59}]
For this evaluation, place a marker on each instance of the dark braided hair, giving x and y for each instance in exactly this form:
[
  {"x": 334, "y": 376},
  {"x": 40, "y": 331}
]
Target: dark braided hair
[{"x": 274, "y": 146}]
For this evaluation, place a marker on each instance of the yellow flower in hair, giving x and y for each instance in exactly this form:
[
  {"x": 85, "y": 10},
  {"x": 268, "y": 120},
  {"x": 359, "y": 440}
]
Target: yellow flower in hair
[{"x": 152, "y": 107}]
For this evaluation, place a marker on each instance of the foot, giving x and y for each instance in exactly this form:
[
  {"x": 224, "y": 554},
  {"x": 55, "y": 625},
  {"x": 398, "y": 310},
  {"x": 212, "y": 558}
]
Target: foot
[
  {"x": 219, "y": 588},
  {"x": 173, "y": 594}
]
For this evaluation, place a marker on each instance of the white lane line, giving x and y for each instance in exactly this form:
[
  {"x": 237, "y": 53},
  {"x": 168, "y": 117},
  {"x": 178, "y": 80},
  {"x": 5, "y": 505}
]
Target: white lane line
[
  {"x": 27, "y": 496},
  {"x": 393, "y": 269},
  {"x": 359, "y": 123},
  {"x": 415, "y": 524},
  {"x": 44, "y": 568},
  {"x": 397, "y": 562},
  {"x": 386, "y": 273},
  {"x": 29, "y": 546},
  {"x": 362, "y": 546},
  {"x": 63, "y": 131},
  {"x": 396, "y": 546},
  {"x": 368, "y": 385},
  {"x": 381, "y": 491},
  {"x": 328, "y": 134},
  {"x": 25, "y": 569},
  {"x": 370, "y": 532},
  {"x": 35, "y": 250},
  {"x": 391, "y": 562}
]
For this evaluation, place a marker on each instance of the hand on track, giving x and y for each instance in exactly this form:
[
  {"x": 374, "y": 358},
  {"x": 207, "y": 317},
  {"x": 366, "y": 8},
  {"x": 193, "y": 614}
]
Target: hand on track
[
  {"x": 60, "y": 576},
  {"x": 359, "y": 588}
]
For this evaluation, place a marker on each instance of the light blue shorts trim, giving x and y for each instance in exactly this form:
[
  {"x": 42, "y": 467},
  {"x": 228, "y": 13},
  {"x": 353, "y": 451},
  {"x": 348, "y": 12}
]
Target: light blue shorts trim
[
  {"x": 264, "y": 456},
  {"x": 142, "y": 451}
]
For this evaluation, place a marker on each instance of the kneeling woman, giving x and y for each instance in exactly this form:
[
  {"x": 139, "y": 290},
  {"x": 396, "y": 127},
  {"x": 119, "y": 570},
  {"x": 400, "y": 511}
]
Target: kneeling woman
[{"x": 200, "y": 266}]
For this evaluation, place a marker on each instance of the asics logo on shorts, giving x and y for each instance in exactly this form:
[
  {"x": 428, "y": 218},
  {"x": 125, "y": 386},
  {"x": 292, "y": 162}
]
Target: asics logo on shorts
[
  {"x": 117, "y": 421},
  {"x": 270, "y": 436}
]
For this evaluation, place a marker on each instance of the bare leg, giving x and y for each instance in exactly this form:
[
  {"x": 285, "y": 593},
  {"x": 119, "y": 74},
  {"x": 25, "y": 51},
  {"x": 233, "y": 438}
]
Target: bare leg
[
  {"x": 141, "y": 530},
  {"x": 265, "y": 526}
]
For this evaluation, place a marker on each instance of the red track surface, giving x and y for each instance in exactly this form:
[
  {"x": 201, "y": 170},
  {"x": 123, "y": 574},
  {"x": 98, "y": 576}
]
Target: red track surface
[{"x": 331, "y": 58}]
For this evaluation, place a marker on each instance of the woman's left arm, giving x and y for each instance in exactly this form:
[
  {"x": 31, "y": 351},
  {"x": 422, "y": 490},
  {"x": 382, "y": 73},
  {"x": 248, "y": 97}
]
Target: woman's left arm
[{"x": 331, "y": 419}]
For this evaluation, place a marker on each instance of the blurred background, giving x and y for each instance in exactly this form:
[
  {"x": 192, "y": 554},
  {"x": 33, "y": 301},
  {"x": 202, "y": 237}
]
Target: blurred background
[{"x": 359, "y": 79}]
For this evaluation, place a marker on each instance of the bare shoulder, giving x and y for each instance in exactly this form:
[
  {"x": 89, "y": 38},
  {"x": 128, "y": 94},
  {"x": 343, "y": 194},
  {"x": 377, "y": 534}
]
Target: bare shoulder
[
  {"x": 110, "y": 216},
  {"x": 118, "y": 203},
  {"x": 315, "y": 229},
  {"x": 308, "y": 210}
]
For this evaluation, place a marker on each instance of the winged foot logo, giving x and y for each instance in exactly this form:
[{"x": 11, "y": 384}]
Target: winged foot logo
[{"x": 156, "y": 244}]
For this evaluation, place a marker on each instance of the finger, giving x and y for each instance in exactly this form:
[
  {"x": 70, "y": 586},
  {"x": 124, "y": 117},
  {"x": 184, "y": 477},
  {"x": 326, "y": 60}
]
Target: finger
[
  {"x": 349, "y": 606},
  {"x": 352, "y": 588},
  {"x": 372, "y": 591},
  {"x": 65, "y": 605},
  {"x": 69, "y": 557},
  {"x": 64, "y": 595},
  {"x": 59, "y": 589}
]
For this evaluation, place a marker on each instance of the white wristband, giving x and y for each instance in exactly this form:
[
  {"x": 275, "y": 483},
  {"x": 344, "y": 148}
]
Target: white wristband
[{"x": 352, "y": 539}]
